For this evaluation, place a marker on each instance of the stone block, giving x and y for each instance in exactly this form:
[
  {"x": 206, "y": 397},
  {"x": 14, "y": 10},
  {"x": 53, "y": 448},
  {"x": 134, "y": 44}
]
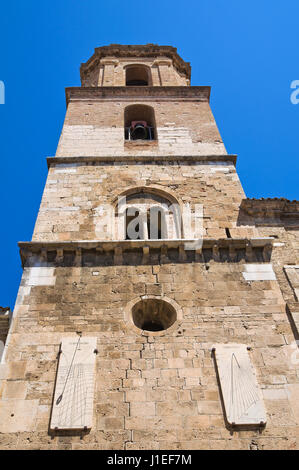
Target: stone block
[{"x": 18, "y": 415}]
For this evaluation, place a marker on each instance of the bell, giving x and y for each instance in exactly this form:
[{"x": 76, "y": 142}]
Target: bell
[{"x": 139, "y": 132}]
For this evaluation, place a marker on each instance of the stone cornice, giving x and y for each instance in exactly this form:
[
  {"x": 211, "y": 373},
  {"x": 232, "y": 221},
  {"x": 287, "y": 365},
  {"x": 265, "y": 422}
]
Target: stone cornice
[
  {"x": 136, "y": 52},
  {"x": 118, "y": 247},
  {"x": 273, "y": 208},
  {"x": 146, "y": 93},
  {"x": 4, "y": 311},
  {"x": 131, "y": 159}
]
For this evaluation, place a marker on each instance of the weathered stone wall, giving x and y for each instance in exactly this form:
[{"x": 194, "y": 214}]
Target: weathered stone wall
[
  {"x": 279, "y": 218},
  {"x": 96, "y": 128},
  {"x": 285, "y": 252},
  {"x": 74, "y": 194},
  {"x": 152, "y": 392},
  {"x": 107, "y": 67},
  {"x": 113, "y": 73}
]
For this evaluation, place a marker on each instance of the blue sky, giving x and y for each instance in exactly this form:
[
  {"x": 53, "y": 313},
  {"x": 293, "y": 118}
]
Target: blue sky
[{"x": 247, "y": 51}]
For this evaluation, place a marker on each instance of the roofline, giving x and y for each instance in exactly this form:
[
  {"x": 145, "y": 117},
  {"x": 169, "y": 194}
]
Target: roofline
[{"x": 146, "y": 50}]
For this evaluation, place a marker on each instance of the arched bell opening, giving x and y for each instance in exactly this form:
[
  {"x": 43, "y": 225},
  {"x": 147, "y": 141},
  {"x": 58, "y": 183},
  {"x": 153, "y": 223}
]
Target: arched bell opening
[
  {"x": 140, "y": 122},
  {"x": 138, "y": 75}
]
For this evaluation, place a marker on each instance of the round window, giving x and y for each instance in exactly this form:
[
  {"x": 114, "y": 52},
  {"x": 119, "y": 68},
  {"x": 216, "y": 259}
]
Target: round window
[{"x": 153, "y": 315}]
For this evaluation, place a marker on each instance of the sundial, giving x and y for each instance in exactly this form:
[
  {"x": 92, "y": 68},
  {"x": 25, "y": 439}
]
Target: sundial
[
  {"x": 241, "y": 394},
  {"x": 74, "y": 391}
]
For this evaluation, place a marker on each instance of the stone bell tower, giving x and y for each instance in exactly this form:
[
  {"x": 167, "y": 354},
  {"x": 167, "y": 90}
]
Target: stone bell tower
[{"x": 157, "y": 309}]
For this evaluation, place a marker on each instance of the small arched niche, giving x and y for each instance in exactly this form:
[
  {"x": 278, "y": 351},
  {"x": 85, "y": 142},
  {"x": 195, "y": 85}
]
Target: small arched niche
[
  {"x": 153, "y": 315},
  {"x": 138, "y": 75},
  {"x": 140, "y": 123}
]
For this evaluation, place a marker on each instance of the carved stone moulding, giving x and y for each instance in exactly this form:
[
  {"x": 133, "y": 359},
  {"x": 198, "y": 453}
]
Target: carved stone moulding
[
  {"x": 136, "y": 51},
  {"x": 131, "y": 160},
  {"x": 119, "y": 93},
  {"x": 273, "y": 209},
  {"x": 84, "y": 253}
]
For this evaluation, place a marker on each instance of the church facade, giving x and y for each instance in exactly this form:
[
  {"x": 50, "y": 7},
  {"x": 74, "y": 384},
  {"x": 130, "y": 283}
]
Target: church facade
[{"x": 158, "y": 307}]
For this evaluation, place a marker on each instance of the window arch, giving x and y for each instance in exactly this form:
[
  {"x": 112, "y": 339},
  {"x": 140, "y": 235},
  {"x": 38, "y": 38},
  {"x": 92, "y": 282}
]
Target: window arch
[
  {"x": 148, "y": 216},
  {"x": 138, "y": 75},
  {"x": 140, "y": 123}
]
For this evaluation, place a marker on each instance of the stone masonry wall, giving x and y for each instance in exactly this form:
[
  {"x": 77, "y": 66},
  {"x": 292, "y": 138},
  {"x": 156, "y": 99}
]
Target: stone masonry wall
[
  {"x": 74, "y": 194},
  {"x": 96, "y": 128},
  {"x": 284, "y": 228},
  {"x": 152, "y": 392},
  {"x": 271, "y": 219},
  {"x": 285, "y": 252},
  {"x": 115, "y": 74}
]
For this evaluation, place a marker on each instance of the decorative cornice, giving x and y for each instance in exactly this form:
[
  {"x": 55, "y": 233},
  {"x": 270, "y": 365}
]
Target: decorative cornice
[
  {"x": 109, "y": 61},
  {"x": 4, "y": 310},
  {"x": 108, "y": 245},
  {"x": 274, "y": 208},
  {"x": 132, "y": 159},
  {"x": 118, "y": 247},
  {"x": 135, "y": 51},
  {"x": 162, "y": 61},
  {"x": 145, "y": 93}
]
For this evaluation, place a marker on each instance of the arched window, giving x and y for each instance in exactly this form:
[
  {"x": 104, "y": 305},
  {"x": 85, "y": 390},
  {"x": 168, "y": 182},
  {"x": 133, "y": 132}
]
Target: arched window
[
  {"x": 138, "y": 75},
  {"x": 148, "y": 216},
  {"x": 140, "y": 122}
]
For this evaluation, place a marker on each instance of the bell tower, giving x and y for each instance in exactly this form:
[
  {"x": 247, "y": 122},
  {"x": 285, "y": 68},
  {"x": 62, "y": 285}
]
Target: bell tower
[
  {"x": 149, "y": 298},
  {"x": 145, "y": 85}
]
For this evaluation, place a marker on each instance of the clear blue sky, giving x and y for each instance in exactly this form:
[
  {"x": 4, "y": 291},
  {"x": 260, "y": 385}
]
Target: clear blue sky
[{"x": 246, "y": 50}]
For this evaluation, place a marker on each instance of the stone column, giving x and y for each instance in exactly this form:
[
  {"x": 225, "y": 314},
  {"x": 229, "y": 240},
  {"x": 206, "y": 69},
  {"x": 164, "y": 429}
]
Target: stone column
[{"x": 164, "y": 71}]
